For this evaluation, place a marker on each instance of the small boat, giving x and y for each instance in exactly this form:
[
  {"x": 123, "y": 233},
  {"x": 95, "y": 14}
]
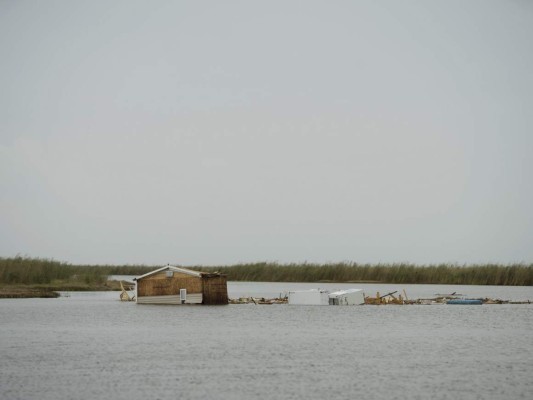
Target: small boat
[{"x": 464, "y": 301}]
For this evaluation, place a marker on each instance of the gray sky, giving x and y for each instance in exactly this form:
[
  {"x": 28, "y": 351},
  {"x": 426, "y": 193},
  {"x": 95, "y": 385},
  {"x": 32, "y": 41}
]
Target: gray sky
[{"x": 219, "y": 132}]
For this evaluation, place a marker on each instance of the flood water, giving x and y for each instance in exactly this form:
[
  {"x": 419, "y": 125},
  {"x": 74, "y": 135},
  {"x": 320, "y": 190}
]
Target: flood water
[{"x": 90, "y": 345}]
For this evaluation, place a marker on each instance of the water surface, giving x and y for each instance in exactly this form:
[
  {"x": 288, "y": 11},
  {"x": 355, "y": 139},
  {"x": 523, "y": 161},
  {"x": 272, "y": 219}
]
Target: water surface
[{"x": 90, "y": 345}]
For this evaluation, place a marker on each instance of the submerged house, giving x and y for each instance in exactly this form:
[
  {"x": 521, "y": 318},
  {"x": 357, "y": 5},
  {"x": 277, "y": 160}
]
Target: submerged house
[
  {"x": 312, "y": 297},
  {"x": 348, "y": 297},
  {"x": 319, "y": 297},
  {"x": 175, "y": 285}
]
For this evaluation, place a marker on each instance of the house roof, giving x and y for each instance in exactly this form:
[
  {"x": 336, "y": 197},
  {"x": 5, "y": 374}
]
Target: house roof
[{"x": 171, "y": 268}]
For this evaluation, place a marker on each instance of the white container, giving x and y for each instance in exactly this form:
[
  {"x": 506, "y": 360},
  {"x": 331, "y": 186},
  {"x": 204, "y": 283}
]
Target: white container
[
  {"x": 313, "y": 297},
  {"x": 348, "y": 297}
]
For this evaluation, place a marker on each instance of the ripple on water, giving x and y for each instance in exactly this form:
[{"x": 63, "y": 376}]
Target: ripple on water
[{"x": 95, "y": 346}]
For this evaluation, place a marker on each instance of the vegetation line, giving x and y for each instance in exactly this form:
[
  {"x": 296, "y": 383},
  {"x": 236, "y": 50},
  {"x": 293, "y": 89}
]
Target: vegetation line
[
  {"x": 18, "y": 271},
  {"x": 492, "y": 274}
]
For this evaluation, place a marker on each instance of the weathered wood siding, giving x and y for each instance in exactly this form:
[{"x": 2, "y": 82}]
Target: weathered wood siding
[
  {"x": 215, "y": 289},
  {"x": 195, "y": 298},
  {"x": 161, "y": 285}
]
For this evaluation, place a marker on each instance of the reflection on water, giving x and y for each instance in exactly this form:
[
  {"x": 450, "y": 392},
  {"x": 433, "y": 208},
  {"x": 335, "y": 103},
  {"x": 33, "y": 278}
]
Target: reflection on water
[{"x": 90, "y": 345}]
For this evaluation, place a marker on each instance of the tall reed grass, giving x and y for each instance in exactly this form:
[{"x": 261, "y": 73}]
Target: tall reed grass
[
  {"x": 25, "y": 270},
  {"x": 29, "y": 271},
  {"x": 490, "y": 274}
]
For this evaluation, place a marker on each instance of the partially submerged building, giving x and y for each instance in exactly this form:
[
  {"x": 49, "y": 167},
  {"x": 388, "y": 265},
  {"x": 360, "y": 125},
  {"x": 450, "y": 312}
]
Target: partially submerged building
[
  {"x": 312, "y": 297},
  {"x": 319, "y": 297},
  {"x": 348, "y": 297},
  {"x": 176, "y": 285}
]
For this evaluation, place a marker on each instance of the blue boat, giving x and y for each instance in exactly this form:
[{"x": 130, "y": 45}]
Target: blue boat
[{"x": 464, "y": 301}]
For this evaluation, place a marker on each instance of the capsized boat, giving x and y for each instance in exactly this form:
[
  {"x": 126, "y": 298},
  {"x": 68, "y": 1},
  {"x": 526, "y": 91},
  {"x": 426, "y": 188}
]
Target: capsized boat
[{"x": 464, "y": 301}]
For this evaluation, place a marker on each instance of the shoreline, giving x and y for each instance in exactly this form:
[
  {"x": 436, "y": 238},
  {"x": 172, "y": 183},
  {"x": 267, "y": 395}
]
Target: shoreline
[
  {"x": 52, "y": 291},
  {"x": 24, "y": 293}
]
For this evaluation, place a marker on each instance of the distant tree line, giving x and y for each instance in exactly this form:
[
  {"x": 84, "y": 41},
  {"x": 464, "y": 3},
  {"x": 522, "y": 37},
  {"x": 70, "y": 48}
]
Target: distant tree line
[{"x": 26, "y": 270}]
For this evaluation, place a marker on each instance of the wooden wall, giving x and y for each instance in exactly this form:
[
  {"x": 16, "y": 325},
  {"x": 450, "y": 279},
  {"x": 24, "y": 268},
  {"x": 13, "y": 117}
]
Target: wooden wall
[
  {"x": 215, "y": 290},
  {"x": 160, "y": 285}
]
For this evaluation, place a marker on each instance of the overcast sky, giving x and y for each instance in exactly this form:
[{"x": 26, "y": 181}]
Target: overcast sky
[{"x": 216, "y": 132}]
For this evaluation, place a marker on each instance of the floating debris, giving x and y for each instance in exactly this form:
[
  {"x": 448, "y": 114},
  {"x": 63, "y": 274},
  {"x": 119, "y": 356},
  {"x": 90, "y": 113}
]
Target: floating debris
[
  {"x": 260, "y": 300},
  {"x": 124, "y": 294},
  {"x": 388, "y": 298},
  {"x": 392, "y": 298}
]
